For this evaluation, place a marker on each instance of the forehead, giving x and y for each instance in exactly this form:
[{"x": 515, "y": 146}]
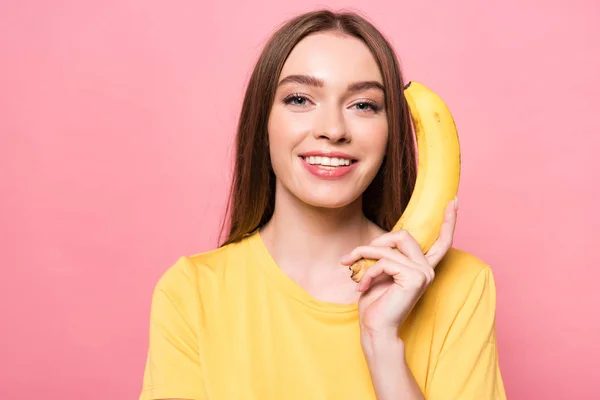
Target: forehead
[{"x": 332, "y": 57}]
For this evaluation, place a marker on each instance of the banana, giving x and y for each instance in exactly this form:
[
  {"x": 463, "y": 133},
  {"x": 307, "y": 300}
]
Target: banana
[{"x": 438, "y": 170}]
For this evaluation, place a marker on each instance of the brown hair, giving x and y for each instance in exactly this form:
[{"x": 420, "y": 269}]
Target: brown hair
[{"x": 252, "y": 194}]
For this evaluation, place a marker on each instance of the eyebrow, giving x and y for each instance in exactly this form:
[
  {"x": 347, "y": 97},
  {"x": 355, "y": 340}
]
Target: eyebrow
[{"x": 316, "y": 82}]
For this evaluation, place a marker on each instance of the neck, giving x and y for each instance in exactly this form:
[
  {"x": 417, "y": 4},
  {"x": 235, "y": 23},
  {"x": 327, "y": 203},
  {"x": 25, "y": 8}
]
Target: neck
[{"x": 312, "y": 238}]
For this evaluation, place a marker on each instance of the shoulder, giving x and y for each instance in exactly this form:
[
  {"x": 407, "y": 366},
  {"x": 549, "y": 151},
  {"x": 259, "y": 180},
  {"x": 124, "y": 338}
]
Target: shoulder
[
  {"x": 462, "y": 280},
  {"x": 460, "y": 268},
  {"x": 189, "y": 270},
  {"x": 461, "y": 298}
]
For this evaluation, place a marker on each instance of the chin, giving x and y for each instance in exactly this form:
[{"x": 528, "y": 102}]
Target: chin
[
  {"x": 333, "y": 194},
  {"x": 330, "y": 200}
]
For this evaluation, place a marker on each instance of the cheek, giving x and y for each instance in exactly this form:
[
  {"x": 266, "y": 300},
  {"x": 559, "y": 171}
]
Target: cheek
[
  {"x": 372, "y": 135},
  {"x": 381, "y": 135},
  {"x": 286, "y": 130}
]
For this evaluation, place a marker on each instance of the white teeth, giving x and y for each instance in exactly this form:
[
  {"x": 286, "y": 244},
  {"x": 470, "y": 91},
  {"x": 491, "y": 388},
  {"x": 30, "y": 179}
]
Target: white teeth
[{"x": 327, "y": 161}]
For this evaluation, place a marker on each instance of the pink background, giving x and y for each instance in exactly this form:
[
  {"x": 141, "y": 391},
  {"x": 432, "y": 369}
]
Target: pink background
[{"x": 116, "y": 128}]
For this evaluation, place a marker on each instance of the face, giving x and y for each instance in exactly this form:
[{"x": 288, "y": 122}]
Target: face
[{"x": 328, "y": 128}]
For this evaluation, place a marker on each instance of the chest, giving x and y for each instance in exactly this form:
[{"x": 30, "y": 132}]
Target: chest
[
  {"x": 283, "y": 351},
  {"x": 257, "y": 342}
]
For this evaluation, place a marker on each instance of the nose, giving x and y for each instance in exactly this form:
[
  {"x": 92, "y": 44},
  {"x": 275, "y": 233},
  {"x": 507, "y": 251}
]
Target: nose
[{"x": 331, "y": 125}]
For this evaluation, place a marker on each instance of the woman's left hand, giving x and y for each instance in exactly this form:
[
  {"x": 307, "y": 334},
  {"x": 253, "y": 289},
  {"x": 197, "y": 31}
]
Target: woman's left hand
[{"x": 393, "y": 285}]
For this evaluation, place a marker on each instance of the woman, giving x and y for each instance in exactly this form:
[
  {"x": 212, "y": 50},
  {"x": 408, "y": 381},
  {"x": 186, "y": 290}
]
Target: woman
[{"x": 325, "y": 165}]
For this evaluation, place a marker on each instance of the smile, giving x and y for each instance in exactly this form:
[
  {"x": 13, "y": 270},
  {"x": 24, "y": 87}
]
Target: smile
[
  {"x": 328, "y": 168},
  {"x": 328, "y": 161}
]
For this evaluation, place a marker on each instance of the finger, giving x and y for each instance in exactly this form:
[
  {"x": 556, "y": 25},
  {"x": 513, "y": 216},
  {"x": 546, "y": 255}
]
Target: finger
[
  {"x": 403, "y": 275},
  {"x": 380, "y": 253},
  {"x": 404, "y": 242},
  {"x": 374, "y": 253},
  {"x": 446, "y": 237}
]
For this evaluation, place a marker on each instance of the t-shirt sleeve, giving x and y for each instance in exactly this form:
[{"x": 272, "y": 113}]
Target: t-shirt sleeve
[
  {"x": 173, "y": 362},
  {"x": 468, "y": 367}
]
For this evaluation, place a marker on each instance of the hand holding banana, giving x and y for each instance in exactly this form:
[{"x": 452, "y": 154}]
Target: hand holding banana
[{"x": 401, "y": 274}]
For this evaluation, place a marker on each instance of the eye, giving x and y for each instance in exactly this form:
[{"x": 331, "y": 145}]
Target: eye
[
  {"x": 296, "y": 100},
  {"x": 367, "y": 106}
]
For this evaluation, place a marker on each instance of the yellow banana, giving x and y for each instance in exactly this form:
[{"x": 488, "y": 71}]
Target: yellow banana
[{"x": 438, "y": 170}]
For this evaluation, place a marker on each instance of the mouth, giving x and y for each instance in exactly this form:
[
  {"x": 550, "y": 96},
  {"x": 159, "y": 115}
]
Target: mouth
[{"x": 328, "y": 162}]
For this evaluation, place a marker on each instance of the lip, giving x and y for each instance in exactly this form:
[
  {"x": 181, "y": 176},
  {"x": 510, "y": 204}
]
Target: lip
[
  {"x": 328, "y": 173},
  {"x": 327, "y": 153}
]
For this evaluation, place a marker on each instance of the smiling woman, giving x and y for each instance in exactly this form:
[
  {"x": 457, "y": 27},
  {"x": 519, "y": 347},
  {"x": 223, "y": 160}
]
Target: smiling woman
[
  {"x": 329, "y": 103},
  {"x": 325, "y": 165}
]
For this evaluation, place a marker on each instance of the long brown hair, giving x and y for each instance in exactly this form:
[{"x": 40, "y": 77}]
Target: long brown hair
[{"x": 252, "y": 194}]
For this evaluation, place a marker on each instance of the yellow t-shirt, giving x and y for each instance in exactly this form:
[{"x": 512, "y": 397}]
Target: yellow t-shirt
[{"x": 228, "y": 324}]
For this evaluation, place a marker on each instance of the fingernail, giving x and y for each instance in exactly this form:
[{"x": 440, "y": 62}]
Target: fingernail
[{"x": 456, "y": 203}]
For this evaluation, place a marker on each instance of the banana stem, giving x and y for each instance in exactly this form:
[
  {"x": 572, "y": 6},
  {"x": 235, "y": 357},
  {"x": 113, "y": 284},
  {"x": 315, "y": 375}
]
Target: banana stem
[{"x": 358, "y": 268}]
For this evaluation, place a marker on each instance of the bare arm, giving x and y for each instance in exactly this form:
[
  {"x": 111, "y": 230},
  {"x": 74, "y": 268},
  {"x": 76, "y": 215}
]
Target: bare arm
[{"x": 392, "y": 379}]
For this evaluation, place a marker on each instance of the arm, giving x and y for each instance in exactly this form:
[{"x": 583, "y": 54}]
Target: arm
[
  {"x": 467, "y": 367},
  {"x": 173, "y": 367},
  {"x": 392, "y": 379}
]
